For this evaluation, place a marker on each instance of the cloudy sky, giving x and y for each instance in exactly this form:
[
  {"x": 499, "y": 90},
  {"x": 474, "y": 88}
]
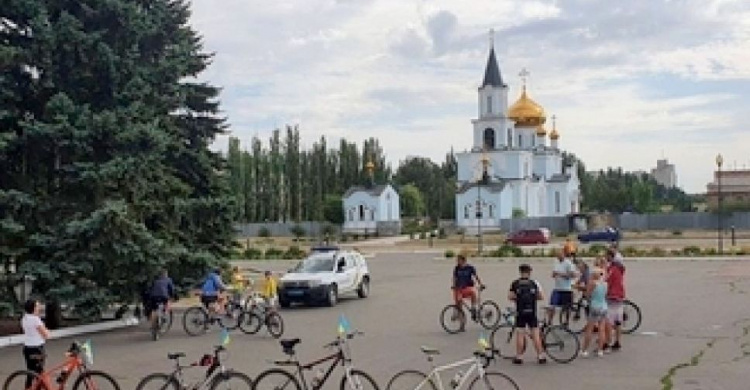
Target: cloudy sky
[{"x": 630, "y": 81}]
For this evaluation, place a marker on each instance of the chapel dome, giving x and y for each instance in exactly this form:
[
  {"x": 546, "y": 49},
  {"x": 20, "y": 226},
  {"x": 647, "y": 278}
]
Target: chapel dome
[{"x": 526, "y": 112}]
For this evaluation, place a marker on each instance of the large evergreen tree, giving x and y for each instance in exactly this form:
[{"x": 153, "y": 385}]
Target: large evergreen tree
[{"x": 105, "y": 171}]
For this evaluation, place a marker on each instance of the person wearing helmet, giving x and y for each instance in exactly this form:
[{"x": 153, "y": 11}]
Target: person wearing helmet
[{"x": 526, "y": 292}]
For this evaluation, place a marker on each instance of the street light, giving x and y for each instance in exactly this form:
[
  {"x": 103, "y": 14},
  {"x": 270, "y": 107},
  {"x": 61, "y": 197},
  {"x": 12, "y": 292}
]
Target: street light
[
  {"x": 719, "y": 232},
  {"x": 484, "y": 179}
]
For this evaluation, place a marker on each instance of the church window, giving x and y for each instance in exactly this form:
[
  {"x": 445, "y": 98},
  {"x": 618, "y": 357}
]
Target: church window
[
  {"x": 466, "y": 212},
  {"x": 361, "y": 212},
  {"x": 520, "y": 141},
  {"x": 510, "y": 138},
  {"x": 557, "y": 202},
  {"x": 372, "y": 214},
  {"x": 489, "y": 138},
  {"x": 491, "y": 211},
  {"x": 489, "y": 104},
  {"x": 533, "y": 141}
]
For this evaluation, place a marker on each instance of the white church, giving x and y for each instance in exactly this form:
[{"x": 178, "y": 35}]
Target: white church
[{"x": 511, "y": 165}]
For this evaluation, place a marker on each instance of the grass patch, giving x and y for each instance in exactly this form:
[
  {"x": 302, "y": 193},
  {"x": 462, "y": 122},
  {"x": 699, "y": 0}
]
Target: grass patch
[{"x": 666, "y": 380}]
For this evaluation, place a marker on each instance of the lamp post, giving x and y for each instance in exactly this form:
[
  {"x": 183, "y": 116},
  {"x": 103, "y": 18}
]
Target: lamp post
[
  {"x": 482, "y": 180},
  {"x": 719, "y": 232}
]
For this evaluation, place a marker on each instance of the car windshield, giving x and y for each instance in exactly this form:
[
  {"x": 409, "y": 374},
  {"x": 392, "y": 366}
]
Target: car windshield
[{"x": 319, "y": 262}]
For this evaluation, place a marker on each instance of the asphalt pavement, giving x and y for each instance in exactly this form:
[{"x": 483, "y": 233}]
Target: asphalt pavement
[{"x": 695, "y": 331}]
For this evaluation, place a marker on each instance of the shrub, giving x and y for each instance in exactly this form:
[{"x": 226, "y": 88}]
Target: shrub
[
  {"x": 273, "y": 253},
  {"x": 294, "y": 252},
  {"x": 507, "y": 251},
  {"x": 691, "y": 250},
  {"x": 298, "y": 231},
  {"x": 629, "y": 251},
  {"x": 675, "y": 252},
  {"x": 450, "y": 253},
  {"x": 355, "y": 237},
  {"x": 411, "y": 235},
  {"x": 597, "y": 250},
  {"x": 561, "y": 234},
  {"x": 676, "y": 232},
  {"x": 344, "y": 238},
  {"x": 422, "y": 235},
  {"x": 253, "y": 253},
  {"x": 658, "y": 252},
  {"x": 6, "y": 310},
  {"x": 710, "y": 252},
  {"x": 264, "y": 232}
]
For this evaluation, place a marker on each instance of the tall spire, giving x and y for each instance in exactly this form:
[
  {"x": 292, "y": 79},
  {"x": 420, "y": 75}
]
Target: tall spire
[{"x": 492, "y": 71}]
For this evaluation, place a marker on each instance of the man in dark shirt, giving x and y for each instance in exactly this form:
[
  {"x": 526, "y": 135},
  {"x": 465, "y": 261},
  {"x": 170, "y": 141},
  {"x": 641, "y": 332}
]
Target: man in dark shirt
[
  {"x": 464, "y": 276},
  {"x": 526, "y": 292},
  {"x": 162, "y": 289}
]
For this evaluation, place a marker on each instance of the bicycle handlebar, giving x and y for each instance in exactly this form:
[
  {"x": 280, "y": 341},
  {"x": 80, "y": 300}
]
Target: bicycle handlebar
[{"x": 339, "y": 340}]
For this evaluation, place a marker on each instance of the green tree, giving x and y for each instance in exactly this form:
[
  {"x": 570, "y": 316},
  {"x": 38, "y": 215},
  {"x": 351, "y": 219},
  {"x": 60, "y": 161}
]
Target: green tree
[
  {"x": 412, "y": 202},
  {"x": 333, "y": 209}
]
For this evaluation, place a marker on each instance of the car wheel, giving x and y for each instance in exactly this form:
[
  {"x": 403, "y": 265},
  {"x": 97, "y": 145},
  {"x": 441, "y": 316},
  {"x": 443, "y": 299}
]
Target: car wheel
[
  {"x": 364, "y": 288},
  {"x": 333, "y": 296}
]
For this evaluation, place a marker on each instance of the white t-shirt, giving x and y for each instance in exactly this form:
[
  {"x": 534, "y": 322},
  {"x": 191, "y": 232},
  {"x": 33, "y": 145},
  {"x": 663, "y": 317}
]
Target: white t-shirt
[
  {"x": 562, "y": 283},
  {"x": 31, "y": 335}
]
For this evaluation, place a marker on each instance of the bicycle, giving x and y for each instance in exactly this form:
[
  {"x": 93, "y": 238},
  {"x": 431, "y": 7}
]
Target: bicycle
[
  {"x": 256, "y": 314},
  {"x": 488, "y": 314},
  {"x": 417, "y": 380},
  {"x": 162, "y": 322},
  {"x": 556, "y": 339},
  {"x": 216, "y": 375},
  {"x": 74, "y": 362},
  {"x": 579, "y": 310},
  {"x": 279, "y": 379},
  {"x": 198, "y": 319}
]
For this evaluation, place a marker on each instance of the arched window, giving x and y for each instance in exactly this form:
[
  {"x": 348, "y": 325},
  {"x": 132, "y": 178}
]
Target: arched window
[
  {"x": 361, "y": 212},
  {"x": 489, "y": 104},
  {"x": 489, "y": 138},
  {"x": 520, "y": 141},
  {"x": 510, "y": 138}
]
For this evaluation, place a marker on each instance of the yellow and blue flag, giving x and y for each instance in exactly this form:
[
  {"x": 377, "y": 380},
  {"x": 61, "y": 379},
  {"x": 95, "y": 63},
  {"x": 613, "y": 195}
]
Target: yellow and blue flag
[
  {"x": 88, "y": 352},
  {"x": 225, "y": 337},
  {"x": 483, "y": 343},
  {"x": 344, "y": 326}
]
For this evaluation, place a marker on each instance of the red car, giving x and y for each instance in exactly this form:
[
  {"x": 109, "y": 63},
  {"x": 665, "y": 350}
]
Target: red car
[{"x": 529, "y": 236}]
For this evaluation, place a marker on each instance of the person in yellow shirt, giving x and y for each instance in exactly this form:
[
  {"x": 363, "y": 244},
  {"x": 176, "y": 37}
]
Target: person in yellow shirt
[
  {"x": 270, "y": 290},
  {"x": 239, "y": 283}
]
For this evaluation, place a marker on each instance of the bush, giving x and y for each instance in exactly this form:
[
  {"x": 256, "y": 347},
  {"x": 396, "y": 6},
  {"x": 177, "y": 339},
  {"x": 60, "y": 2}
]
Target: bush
[
  {"x": 657, "y": 252},
  {"x": 328, "y": 230},
  {"x": 561, "y": 235},
  {"x": 441, "y": 233},
  {"x": 676, "y": 232},
  {"x": 450, "y": 254},
  {"x": 691, "y": 251},
  {"x": 597, "y": 250},
  {"x": 273, "y": 253},
  {"x": 264, "y": 232},
  {"x": 507, "y": 251},
  {"x": 6, "y": 310},
  {"x": 710, "y": 252},
  {"x": 411, "y": 235},
  {"x": 629, "y": 251},
  {"x": 294, "y": 252},
  {"x": 422, "y": 235},
  {"x": 344, "y": 238},
  {"x": 297, "y": 231},
  {"x": 253, "y": 253}
]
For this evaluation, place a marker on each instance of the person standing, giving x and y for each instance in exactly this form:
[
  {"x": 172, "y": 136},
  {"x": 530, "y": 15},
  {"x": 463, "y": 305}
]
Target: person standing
[
  {"x": 270, "y": 290},
  {"x": 525, "y": 292},
  {"x": 615, "y": 297},
  {"x": 596, "y": 291},
  {"x": 563, "y": 273},
  {"x": 35, "y": 334}
]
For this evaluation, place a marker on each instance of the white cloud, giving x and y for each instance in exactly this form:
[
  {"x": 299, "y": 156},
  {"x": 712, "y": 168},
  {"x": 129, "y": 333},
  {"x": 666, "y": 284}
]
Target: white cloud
[{"x": 408, "y": 71}]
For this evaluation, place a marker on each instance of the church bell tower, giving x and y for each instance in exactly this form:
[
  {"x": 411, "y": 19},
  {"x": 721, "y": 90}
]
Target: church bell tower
[{"x": 491, "y": 128}]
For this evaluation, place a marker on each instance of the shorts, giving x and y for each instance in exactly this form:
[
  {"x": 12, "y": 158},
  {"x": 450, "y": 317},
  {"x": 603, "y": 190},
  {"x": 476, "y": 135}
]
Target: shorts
[
  {"x": 154, "y": 302},
  {"x": 207, "y": 300},
  {"x": 561, "y": 298},
  {"x": 596, "y": 315},
  {"x": 529, "y": 320},
  {"x": 614, "y": 312},
  {"x": 464, "y": 292}
]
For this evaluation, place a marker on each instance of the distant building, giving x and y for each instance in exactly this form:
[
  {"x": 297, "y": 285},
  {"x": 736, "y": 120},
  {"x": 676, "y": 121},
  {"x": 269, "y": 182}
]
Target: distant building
[
  {"x": 735, "y": 189},
  {"x": 372, "y": 209},
  {"x": 665, "y": 173}
]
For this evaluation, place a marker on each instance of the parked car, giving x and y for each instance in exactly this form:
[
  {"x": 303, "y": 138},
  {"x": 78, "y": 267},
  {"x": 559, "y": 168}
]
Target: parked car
[
  {"x": 608, "y": 234},
  {"x": 324, "y": 276},
  {"x": 529, "y": 236}
]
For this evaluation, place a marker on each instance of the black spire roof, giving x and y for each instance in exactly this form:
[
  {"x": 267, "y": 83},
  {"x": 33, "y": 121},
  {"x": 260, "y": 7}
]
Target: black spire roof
[{"x": 492, "y": 72}]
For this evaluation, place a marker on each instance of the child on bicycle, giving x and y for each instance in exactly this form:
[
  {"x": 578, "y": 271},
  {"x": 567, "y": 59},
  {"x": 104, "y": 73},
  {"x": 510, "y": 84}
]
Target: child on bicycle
[
  {"x": 596, "y": 292},
  {"x": 162, "y": 289},
  {"x": 526, "y": 292},
  {"x": 35, "y": 334},
  {"x": 212, "y": 292}
]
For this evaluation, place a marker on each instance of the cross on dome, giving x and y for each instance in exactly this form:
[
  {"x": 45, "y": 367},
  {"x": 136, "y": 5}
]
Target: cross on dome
[{"x": 524, "y": 75}]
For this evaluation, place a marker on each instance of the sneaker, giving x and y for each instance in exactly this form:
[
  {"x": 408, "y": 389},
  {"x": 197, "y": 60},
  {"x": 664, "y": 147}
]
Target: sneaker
[
  {"x": 517, "y": 361},
  {"x": 606, "y": 349},
  {"x": 616, "y": 346},
  {"x": 584, "y": 354},
  {"x": 542, "y": 360},
  {"x": 600, "y": 353}
]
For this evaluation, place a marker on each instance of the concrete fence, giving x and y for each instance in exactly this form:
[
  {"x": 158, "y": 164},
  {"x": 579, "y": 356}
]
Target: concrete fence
[{"x": 283, "y": 229}]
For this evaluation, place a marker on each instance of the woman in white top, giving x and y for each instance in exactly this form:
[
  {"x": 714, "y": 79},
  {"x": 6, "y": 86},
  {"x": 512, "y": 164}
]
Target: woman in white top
[{"x": 34, "y": 336}]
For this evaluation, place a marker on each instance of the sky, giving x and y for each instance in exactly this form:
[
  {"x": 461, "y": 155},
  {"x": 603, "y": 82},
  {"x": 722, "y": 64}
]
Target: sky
[{"x": 629, "y": 81}]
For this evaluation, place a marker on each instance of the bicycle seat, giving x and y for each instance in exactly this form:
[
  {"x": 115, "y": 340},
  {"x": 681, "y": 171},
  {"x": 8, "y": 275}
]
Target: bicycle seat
[
  {"x": 289, "y": 343},
  {"x": 175, "y": 355},
  {"x": 429, "y": 351}
]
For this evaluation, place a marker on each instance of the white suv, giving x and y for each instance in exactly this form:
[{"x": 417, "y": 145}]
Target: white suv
[{"x": 324, "y": 276}]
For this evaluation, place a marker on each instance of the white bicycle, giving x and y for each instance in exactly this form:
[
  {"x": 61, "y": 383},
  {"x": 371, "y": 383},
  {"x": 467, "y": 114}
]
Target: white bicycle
[{"x": 481, "y": 378}]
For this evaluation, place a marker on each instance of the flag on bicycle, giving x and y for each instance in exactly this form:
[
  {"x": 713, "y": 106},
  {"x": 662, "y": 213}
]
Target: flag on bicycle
[
  {"x": 483, "y": 343},
  {"x": 344, "y": 326},
  {"x": 88, "y": 352},
  {"x": 225, "y": 337}
]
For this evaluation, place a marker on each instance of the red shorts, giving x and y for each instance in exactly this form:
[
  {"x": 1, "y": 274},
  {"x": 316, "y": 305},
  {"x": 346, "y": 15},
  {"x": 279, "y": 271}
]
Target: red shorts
[{"x": 465, "y": 292}]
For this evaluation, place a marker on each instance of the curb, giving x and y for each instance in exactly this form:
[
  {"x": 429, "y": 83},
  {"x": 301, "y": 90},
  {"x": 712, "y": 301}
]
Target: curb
[{"x": 7, "y": 341}]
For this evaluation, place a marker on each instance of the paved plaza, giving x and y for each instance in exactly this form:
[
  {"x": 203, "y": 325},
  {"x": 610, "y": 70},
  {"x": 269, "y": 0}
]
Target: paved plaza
[{"x": 695, "y": 330}]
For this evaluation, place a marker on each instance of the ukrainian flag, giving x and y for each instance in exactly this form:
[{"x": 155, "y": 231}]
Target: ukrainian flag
[
  {"x": 88, "y": 352},
  {"x": 483, "y": 343},
  {"x": 225, "y": 337},
  {"x": 344, "y": 326}
]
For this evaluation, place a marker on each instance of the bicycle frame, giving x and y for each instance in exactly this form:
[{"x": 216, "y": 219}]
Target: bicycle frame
[
  {"x": 211, "y": 372},
  {"x": 72, "y": 363},
  {"x": 434, "y": 375},
  {"x": 338, "y": 358}
]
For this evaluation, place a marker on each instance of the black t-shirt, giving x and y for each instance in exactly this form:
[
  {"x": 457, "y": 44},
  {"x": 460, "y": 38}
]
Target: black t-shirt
[
  {"x": 464, "y": 276},
  {"x": 527, "y": 294}
]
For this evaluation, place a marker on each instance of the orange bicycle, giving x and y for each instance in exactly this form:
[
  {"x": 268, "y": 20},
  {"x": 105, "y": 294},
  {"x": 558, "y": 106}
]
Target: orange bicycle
[{"x": 75, "y": 361}]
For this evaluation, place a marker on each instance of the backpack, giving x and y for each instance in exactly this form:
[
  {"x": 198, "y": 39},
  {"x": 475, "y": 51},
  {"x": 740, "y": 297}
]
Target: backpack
[{"x": 526, "y": 294}]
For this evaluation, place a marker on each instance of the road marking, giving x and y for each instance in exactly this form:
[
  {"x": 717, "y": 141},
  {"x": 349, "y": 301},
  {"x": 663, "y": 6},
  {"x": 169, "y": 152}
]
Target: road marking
[{"x": 649, "y": 333}]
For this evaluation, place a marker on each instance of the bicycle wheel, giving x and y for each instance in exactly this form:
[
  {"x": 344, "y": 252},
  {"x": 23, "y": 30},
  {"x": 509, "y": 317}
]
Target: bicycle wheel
[
  {"x": 166, "y": 322},
  {"x": 502, "y": 340},
  {"x": 231, "y": 317},
  {"x": 276, "y": 379},
  {"x": 231, "y": 380},
  {"x": 410, "y": 380},
  {"x": 158, "y": 382},
  {"x": 489, "y": 314},
  {"x": 577, "y": 317},
  {"x": 631, "y": 317},
  {"x": 17, "y": 381},
  {"x": 249, "y": 322},
  {"x": 453, "y": 319},
  {"x": 358, "y": 380},
  {"x": 275, "y": 324},
  {"x": 95, "y": 380},
  {"x": 195, "y": 321},
  {"x": 493, "y": 381},
  {"x": 561, "y": 344}
]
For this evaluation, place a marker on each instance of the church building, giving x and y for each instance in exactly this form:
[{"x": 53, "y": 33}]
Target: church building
[{"x": 515, "y": 166}]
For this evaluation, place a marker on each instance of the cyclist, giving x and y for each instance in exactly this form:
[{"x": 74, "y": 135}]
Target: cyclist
[
  {"x": 212, "y": 292},
  {"x": 162, "y": 289},
  {"x": 35, "y": 334},
  {"x": 562, "y": 295},
  {"x": 239, "y": 283},
  {"x": 525, "y": 292},
  {"x": 464, "y": 276},
  {"x": 270, "y": 290}
]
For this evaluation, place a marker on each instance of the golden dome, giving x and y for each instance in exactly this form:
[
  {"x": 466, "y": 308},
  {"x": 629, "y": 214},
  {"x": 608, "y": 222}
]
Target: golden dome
[
  {"x": 369, "y": 166},
  {"x": 554, "y": 135},
  {"x": 541, "y": 131},
  {"x": 526, "y": 112}
]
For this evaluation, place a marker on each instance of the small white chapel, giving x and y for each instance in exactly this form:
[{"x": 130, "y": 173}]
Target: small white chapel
[{"x": 514, "y": 163}]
